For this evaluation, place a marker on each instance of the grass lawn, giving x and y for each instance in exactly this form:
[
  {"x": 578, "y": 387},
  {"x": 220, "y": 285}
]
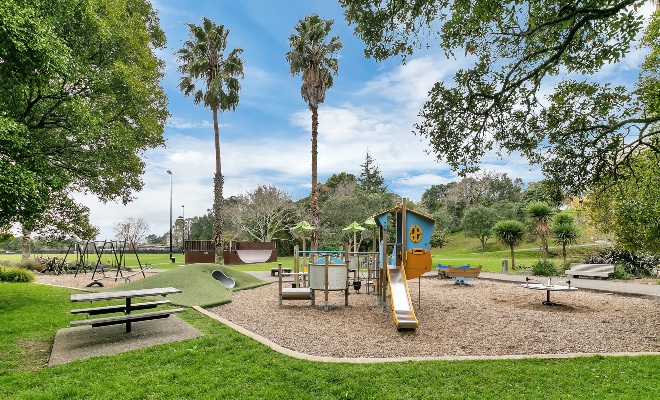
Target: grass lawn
[{"x": 225, "y": 364}]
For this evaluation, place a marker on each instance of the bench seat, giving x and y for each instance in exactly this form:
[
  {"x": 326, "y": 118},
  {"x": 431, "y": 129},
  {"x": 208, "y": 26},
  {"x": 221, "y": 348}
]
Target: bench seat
[
  {"x": 274, "y": 271},
  {"x": 127, "y": 318},
  {"x": 120, "y": 308},
  {"x": 598, "y": 270}
]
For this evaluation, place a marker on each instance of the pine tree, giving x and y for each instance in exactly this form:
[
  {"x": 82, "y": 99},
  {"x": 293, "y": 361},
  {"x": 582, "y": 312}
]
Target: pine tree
[{"x": 370, "y": 180}]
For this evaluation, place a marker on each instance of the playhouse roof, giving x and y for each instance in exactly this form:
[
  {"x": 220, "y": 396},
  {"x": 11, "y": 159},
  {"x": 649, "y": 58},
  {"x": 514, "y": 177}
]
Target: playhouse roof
[{"x": 399, "y": 209}]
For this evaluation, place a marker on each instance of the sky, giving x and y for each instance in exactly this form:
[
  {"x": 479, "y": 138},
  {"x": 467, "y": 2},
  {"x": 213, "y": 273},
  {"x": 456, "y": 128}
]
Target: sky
[{"x": 267, "y": 140}]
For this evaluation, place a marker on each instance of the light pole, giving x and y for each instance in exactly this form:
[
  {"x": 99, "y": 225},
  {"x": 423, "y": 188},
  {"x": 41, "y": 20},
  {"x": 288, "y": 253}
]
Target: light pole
[
  {"x": 183, "y": 229},
  {"x": 170, "y": 173}
]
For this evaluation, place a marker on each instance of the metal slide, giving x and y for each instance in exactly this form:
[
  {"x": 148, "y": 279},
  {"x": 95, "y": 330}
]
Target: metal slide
[
  {"x": 402, "y": 309},
  {"x": 224, "y": 279}
]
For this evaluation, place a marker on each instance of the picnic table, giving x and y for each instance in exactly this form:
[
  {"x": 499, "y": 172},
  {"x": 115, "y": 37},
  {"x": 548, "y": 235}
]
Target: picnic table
[
  {"x": 126, "y": 308},
  {"x": 549, "y": 287}
]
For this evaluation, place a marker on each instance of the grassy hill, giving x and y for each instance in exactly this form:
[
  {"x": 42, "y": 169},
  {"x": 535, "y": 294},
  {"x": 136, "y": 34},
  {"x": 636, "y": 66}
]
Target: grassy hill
[{"x": 198, "y": 287}]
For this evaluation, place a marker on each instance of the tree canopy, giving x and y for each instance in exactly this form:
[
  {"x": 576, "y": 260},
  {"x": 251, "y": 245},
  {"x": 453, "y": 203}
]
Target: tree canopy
[
  {"x": 514, "y": 51},
  {"x": 80, "y": 102}
]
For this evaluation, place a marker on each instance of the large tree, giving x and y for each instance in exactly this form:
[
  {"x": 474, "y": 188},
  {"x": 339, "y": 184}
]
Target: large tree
[
  {"x": 631, "y": 209},
  {"x": 370, "y": 179},
  {"x": 316, "y": 59},
  {"x": 213, "y": 79},
  {"x": 478, "y": 222},
  {"x": 262, "y": 213},
  {"x": 80, "y": 102},
  {"x": 514, "y": 52},
  {"x": 132, "y": 230}
]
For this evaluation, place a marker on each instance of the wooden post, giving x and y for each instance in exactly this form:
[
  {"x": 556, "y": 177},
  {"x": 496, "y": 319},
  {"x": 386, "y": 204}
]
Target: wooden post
[
  {"x": 382, "y": 281},
  {"x": 327, "y": 261},
  {"x": 296, "y": 260},
  {"x": 279, "y": 276}
]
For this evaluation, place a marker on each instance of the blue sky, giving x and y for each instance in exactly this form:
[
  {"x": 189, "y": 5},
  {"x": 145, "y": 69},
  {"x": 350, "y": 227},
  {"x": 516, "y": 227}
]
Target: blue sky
[{"x": 372, "y": 105}]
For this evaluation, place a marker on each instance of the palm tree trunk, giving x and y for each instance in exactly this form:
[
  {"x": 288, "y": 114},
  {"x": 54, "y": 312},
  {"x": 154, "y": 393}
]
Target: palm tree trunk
[
  {"x": 513, "y": 259},
  {"x": 563, "y": 251},
  {"x": 314, "y": 197},
  {"x": 544, "y": 247},
  {"x": 218, "y": 182},
  {"x": 25, "y": 245}
]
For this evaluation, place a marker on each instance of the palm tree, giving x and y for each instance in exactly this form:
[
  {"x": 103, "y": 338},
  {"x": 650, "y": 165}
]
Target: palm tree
[
  {"x": 313, "y": 57},
  {"x": 203, "y": 61},
  {"x": 510, "y": 233},
  {"x": 540, "y": 213},
  {"x": 565, "y": 232}
]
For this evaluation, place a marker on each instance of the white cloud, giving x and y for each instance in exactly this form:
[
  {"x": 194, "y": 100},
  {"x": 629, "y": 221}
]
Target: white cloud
[{"x": 180, "y": 123}]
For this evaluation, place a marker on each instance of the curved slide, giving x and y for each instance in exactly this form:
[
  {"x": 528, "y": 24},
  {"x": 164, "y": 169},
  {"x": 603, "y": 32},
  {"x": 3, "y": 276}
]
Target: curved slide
[
  {"x": 402, "y": 309},
  {"x": 224, "y": 279}
]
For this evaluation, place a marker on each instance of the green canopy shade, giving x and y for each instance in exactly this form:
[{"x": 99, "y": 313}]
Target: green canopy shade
[
  {"x": 303, "y": 226},
  {"x": 354, "y": 227}
]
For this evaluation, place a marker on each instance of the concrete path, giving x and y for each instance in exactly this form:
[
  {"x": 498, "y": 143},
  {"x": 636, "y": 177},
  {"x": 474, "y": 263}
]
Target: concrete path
[{"x": 650, "y": 291}]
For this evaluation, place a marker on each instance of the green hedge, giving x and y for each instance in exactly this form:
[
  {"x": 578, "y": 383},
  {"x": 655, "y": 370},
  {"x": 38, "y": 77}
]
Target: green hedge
[{"x": 15, "y": 274}]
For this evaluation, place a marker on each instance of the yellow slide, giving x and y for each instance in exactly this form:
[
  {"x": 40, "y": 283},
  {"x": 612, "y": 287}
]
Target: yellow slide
[{"x": 402, "y": 309}]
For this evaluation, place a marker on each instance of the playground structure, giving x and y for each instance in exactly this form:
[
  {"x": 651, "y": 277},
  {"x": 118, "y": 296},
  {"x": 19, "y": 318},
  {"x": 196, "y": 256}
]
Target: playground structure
[
  {"x": 86, "y": 252},
  {"x": 237, "y": 253},
  {"x": 410, "y": 258}
]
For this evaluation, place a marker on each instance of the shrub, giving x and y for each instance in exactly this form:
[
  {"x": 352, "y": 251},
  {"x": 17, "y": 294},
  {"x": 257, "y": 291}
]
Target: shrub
[
  {"x": 620, "y": 273},
  {"x": 544, "y": 268},
  {"x": 15, "y": 274},
  {"x": 32, "y": 264}
]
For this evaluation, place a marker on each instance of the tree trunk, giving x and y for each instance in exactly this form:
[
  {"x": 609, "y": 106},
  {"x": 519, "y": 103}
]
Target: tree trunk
[
  {"x": 25, "y": 245},
  {"x": 563, "y": 251},
  {"x": 513, "y": 259},
  {"x": 483, "y": 244},
  {"x": 218, "y": 183},
  {"x": 314, "y": 197},
  {"x": 544, "y": 247}
]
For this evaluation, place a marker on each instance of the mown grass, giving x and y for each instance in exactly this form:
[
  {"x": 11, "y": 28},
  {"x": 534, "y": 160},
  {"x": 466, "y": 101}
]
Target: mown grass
[{"x": 225, "y": 364}]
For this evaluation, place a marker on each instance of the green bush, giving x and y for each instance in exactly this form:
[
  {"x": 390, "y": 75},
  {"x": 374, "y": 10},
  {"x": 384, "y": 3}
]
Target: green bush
[
  {"x": 15, "y": 274},
  {"x": 620, "y": 273},
  {"x": 544, "y": 268}
]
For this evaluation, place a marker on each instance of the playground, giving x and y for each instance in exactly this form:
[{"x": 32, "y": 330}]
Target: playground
[
  {"x": 483, "y": 318},
  {"x": 480, "y": 319}
]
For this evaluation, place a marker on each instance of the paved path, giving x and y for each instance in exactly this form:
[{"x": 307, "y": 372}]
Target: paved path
[{"x": 651, "y": 291}]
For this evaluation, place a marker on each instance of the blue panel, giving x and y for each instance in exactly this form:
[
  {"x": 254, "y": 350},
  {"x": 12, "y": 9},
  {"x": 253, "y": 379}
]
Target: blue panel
[
  {"x": 382, "y": 220},
  {"x": 426, "y": 227}
]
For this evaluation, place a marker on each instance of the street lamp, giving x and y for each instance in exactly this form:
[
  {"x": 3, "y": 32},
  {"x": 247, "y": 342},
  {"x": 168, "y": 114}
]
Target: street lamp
[{"x": 170, "y": 173}]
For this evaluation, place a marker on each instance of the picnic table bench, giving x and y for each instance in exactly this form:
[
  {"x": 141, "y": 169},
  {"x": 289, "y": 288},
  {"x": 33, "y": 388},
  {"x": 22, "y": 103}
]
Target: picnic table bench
[
  {"x": 274, "y": 271},
  {"x": 600, "y": 270},
  {"x": 126, "y": 308}
]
